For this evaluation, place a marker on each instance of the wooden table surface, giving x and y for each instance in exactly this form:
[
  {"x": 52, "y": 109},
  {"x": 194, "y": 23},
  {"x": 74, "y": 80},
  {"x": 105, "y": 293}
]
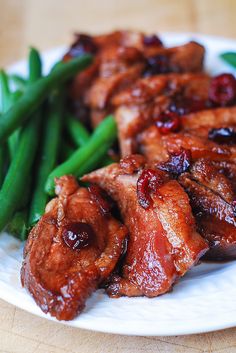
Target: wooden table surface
[{"x": 49, "y": 23}]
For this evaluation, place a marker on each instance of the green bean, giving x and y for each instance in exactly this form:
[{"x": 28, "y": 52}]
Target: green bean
[
  {"x": 48, "y": 155},
  {"x": 66, "y": 150},
  {"x": 35, "y": 72},
  {"x": 24, "y": 201},
  {"x": 35, "y": 66},
  {"x": 95, "y": 160},
  {"x": 56, "y": 66},
  {"x": 78, "y": 133},
  {"x": 14, "y": 184},
  {"x": 5, "y": 92},
  {"x": 104, "y": 134},
  {"x": 18, "y": 225},
  {"x": 106, "y": 161},
  {"x": 4, "y": 104},
  {"x": 229, "y": 57},
  {"x": 14, "y": 137},
  {"x": 2, "y": 164},
  {"x": 18, "y": 81},
  {"x": 36, "y": 94},
  {"x": 7, "y": 100}
]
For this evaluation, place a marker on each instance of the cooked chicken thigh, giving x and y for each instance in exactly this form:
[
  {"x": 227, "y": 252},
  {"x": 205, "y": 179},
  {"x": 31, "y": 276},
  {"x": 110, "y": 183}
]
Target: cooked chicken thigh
[
  {"x": 163, "y": 243},
  {"x": 70, "y": 251}
]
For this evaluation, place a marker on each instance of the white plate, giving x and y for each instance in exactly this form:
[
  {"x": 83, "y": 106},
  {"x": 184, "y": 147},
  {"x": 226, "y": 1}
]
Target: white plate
[{"x": 204, "y": 300}]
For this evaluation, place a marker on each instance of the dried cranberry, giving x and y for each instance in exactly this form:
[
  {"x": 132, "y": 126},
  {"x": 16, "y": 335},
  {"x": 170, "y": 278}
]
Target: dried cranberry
[
  {"x": 101, "y": 198},
  {"x": 168, "y": 122},
  {"x": 184, "y": 105},
  {"x": 152, "y": 40},
  {"x": 78, "y": 235},
  {"x": 222, "y": 89},
  {"x": 178, "y": 162},
  {"x": 84, "y": 44},
  {"x": 223, "y": 135},
  {"x": 158, "y": 64},
  {"x": 149, "y": 181}
]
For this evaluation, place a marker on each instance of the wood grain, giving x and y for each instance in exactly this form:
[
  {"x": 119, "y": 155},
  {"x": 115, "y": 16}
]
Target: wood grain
[{"x": 48, "y": 23}]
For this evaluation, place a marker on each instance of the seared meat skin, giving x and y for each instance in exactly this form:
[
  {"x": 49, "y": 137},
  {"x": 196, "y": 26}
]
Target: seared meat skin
[
  {"x": 211, "y": 194},
  {"x": 61, "y": 278},
  {"x": 139, "y": 106},
  {"x": 163, "y": 243}
]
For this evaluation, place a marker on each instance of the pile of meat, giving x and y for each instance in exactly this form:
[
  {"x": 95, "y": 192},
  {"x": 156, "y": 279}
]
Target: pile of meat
[{"x": 145, "y": 221}]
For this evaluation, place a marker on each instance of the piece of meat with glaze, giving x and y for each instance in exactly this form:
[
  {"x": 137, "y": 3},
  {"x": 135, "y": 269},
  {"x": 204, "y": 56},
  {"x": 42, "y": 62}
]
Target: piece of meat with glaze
[
  {"x": 123, "y": 65},
  {"x": 156, "y": 146},
  {"x": 188, "y": 57},
  {"x": 73, "y": 247},
  {"x": 209, "y": 119},
  {"x": 212, "y": 198},
  {"x": 163, "y": 242},
  {"x": 141, "y": 105},
  {"x": 217, "y": 125},
  {"x": 208, "y": 133},
  {"x": 175, "y": 103},
  {"x": 228, "y": 169},
  {"x": 117, "y": 62},
  {"x": 119, "y": 68},
  {"x": 122, "y": 57}
]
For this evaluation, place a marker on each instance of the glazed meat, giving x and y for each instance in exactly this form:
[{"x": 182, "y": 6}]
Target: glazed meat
[
  {"x": 118, "y": 61},
  {"x": 228, "y": 169},
  {"x": 122, "y": 66},
  {"x": 163, "y": 242},
  {"x": 141, "y": 105},
  {"x": 209, "y": 119},
  {"x": 121, "y": 58},
  {"x": 70, "y": 251},
  {"x": 201, "y": 132},
  {"x": 144, "y": 222},
  {"x": 156, "y": 147},
  {"x": 174, "y": 103},
  {"x": 212, "y": 199}
]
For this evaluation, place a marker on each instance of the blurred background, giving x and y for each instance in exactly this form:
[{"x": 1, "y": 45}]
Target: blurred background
[{"x": 49, "y": 23}]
